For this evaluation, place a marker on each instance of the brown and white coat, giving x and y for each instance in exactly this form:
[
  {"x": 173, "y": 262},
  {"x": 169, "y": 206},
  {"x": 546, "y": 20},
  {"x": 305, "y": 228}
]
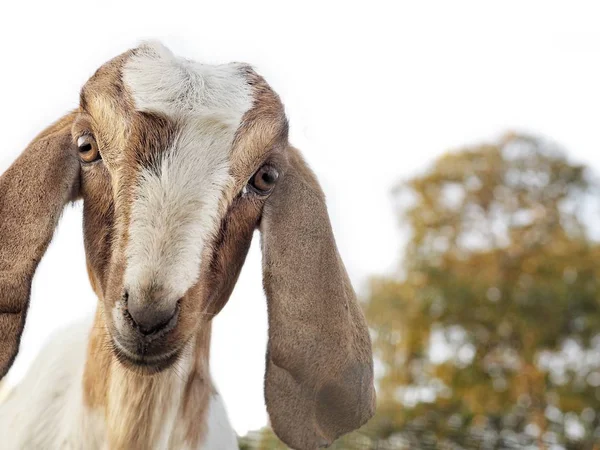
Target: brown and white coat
[{"x": 177, "y": 163}]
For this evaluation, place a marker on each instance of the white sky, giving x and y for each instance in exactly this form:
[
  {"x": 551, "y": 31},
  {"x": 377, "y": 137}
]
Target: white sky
[{"x": 373, "y": 91}]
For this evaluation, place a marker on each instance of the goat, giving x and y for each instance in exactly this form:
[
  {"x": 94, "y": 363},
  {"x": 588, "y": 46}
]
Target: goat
[{"x": 177, "y": 164}]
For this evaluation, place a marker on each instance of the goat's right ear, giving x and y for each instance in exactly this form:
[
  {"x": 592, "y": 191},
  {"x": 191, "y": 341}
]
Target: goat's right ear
[{"x": 33, "y": 192}]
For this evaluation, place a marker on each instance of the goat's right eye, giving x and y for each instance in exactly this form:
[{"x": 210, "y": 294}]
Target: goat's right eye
[{"x": 88, "y": 148}]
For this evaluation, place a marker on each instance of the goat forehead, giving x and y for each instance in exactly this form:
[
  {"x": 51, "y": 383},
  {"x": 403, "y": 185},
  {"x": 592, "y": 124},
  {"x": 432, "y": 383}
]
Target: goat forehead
[
  {"x": 160, "y": 82},
  {"x": 140, "y": 98}
]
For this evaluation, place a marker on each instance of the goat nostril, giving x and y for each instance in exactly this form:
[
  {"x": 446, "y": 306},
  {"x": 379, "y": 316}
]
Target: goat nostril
[
  {"x": 125, "y": 300},
  {"x": 151, "y": 320}
]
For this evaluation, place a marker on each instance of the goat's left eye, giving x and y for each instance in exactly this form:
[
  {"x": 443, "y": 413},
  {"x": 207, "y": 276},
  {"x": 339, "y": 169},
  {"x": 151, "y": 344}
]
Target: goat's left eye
[
  {"x": 264, "y": 179},
  {"x": 88, "y": 149}
]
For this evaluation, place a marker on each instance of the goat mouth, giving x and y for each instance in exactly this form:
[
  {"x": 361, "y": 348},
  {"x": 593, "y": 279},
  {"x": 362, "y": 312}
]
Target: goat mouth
[{"x": 144, "y": 363}]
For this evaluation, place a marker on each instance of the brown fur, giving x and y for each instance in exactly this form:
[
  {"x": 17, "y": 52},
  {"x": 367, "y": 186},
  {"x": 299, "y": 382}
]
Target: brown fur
[
  {"x": 33, "y": 192},
  {"x": 319, "y": 380},
  {"x": 198, "y": 389},
  {"x": 319, "y": 377}
]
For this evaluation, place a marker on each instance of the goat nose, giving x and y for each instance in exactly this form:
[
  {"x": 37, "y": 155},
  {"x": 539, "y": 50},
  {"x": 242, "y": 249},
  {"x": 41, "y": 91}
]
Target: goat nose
[{"x": 151, "y": 318}]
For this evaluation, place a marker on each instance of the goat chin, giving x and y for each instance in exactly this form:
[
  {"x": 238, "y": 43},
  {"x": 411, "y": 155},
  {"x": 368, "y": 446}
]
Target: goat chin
[{"x": 47, "y": 409}]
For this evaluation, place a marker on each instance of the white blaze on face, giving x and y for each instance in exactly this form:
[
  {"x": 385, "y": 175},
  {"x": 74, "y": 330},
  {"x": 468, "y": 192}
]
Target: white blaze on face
[{"x": 175, "y": 209}]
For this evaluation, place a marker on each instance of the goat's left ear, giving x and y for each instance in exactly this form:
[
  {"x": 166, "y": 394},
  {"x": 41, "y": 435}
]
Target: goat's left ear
[
  {"x": 33, "y": 192},
  {"x": 319, "y": 376}
]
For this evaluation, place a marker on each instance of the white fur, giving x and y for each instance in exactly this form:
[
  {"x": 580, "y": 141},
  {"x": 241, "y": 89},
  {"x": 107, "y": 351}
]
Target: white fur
[
  {"x": 175, "y": 211},
  {"x": 161, "y": 82},
  {"x": 220, "y": 433},
  {"x": 47, "y": 411}
]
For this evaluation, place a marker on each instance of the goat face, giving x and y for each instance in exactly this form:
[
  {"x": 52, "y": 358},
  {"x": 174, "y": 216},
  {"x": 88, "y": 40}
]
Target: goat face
[
  {"x": 177, "y": 164},
  {"x": 171, "y": 202}
]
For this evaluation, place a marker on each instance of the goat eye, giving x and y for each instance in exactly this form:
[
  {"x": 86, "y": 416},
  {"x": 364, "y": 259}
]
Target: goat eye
[
  {"x": 264, "y": 179},
  {"x": 88, "y": 149}
]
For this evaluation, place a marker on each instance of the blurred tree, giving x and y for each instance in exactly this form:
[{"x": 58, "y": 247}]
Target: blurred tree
[{"x": 490, "y": 337}]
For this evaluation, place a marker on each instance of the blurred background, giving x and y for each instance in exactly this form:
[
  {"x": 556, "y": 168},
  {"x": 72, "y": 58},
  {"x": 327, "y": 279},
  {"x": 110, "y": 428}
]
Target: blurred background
[
  {"x": 458, "y": 146},
  {"x": 488, "y": 335}
]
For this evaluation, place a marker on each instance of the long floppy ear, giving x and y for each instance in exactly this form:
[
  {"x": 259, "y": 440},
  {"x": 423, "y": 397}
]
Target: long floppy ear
[
  {"x": 319, "y": 378},
  {"x": 33, "y": 192}
]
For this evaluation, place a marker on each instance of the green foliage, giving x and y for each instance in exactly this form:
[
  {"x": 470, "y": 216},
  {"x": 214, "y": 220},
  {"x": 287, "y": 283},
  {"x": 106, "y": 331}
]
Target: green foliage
[{"x": 490, "y": 337}]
